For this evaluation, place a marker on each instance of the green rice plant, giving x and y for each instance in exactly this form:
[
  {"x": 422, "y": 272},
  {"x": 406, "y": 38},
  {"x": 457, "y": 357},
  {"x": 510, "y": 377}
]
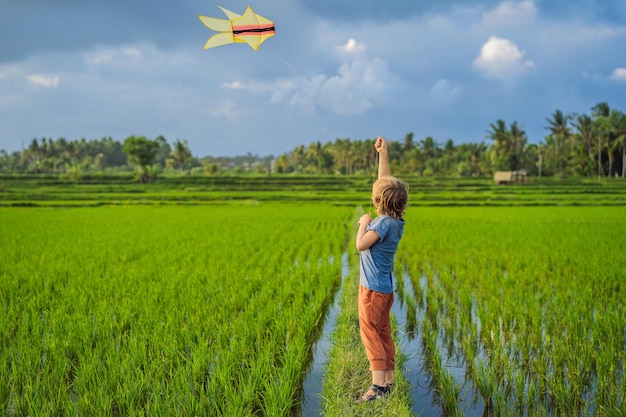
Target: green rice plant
[
  {"x": 484, "y": 381},
  {"x": 450, "y": 393},
  {"x": 163, "y": 310},
  {"x": 411, "y": 314},
  {"x": 519, "y": 381},
  {"x": 447, "y": 391},
  {"x": 535, "y": 292},
  {"x": 399, "y": 284}
]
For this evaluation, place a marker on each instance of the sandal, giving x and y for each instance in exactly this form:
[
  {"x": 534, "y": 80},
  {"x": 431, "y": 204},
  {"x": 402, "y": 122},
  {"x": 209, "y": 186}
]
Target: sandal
[{"x": 375, "y": 392}]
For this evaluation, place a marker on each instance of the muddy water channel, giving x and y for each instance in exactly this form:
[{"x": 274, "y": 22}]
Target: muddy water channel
[
  {"x": 407, "y": 313},
  {"x": 312, "y": 386}
]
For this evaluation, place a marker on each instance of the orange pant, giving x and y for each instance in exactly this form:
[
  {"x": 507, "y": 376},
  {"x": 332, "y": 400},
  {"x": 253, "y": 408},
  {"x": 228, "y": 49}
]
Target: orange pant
[{"x": 375, "y": 327}]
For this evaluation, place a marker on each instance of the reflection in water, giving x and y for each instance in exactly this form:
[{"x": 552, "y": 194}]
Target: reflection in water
[
  {"x": 409, "y": 340},
  {"x": 312, "y": 385},
  {"x": 408, "y": 313}
]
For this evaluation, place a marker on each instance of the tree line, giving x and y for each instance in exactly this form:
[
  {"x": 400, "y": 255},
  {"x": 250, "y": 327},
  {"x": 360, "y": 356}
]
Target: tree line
[{"x": 575, "y": 145}]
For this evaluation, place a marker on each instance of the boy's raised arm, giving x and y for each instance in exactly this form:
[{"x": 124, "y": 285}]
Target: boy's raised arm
[{"x": 383, "y": 162}]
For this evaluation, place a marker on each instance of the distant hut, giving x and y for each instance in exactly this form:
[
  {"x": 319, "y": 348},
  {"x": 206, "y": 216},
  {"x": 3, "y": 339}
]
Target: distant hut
[{"x": 510, "y": 177}]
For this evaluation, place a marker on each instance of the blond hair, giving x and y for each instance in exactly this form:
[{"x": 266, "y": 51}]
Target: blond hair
[{"x": 390, "y": 196}]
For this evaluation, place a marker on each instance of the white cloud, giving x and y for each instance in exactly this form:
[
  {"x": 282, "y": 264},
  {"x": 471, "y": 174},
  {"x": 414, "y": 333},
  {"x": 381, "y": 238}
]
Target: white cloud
[
  {"x": 356, "y": 88},
  {"x": 226, "y": 110},
  {"x": 10, "y": 71},
  {"x": 619, "y": 74},
  {"x": 351, "y": 47},
  {"x": 444, "y": 92},
  {"x": 361, "y": 83},
  {"x": 113, "y": 55},
  {"x": 511, "y": 13},
  {"x": 501, "y": 59},
  {"x": 234, "y": 85},
  {"x": 48, "y": 81}
]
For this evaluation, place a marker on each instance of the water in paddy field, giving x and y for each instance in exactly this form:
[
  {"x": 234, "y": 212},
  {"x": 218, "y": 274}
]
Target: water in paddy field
[
  {"x": 410, "y": 343},
  {"x": 312, "y": 385}
]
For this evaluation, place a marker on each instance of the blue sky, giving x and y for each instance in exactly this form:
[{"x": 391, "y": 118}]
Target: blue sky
[{"x": 350, "y": 69}]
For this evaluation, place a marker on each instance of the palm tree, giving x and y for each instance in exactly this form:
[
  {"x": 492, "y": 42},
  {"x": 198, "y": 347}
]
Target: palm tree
[
  {"x": 618, "y": 124},
  {"x": 517, "y": 141},
  {"x": 34, "y": 154},
  {"x": 600, "y": 113},
  {"x": 181, "y": 153},
  {"x": 540, "y": 152},
  {"x": 503, "y": 151},
  {"x": 298, "y": 158},
  {"x": 476, "y": 152},
  {"x": 408, "y": 141},
  {"x": 312, "y": 156},
  {"x": 430, "y": 152},
  {"x": 429, "y": 147},
  {"x": 584, "y": 135},
  {"x": 282, "y": 163},
  {"x": 548, "y": 155},
  {"x": 4, "y": 160},
  {"x": 344, "y": 155},
  {"x": 362, "y": 152},
  {"x": 561, "y": 133}
]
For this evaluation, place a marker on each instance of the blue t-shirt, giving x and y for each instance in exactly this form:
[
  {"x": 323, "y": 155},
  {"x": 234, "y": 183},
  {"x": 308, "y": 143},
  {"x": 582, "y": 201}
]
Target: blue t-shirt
[{"x": 377, "y": 261}]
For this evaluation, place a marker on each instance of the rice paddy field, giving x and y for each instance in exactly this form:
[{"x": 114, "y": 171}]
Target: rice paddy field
[
  {"x": 207, "y": 297},
  {"x": 523, "y": 308}
]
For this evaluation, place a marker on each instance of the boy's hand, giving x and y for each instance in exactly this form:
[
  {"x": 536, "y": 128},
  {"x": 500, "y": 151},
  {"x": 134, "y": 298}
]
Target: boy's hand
[
  {"x": 365, "y": 220},
  {"x": 380, "y": 144}
]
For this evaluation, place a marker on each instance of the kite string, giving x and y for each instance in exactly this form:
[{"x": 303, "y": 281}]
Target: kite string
[
  {"x": 284, "y": 61},
  {"x": 376, "y": 160}
]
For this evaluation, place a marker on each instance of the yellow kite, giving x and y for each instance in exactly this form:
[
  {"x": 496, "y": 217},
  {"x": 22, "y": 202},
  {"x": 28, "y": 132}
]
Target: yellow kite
[{"x": 250, "y": 28}]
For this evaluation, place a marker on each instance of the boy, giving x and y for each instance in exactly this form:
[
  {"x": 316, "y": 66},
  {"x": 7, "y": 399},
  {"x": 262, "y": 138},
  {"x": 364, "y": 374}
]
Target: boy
[{"x": 377, "y": 242}]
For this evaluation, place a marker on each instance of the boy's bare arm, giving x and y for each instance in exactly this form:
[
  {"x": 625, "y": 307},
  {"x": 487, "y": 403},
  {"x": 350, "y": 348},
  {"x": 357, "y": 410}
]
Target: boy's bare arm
[
  {"x": 383, "y": 162},
  {"x": 365, "y": 239}
]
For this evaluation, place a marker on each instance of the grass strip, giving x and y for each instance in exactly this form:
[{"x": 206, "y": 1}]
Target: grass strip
[{"x": 347, "y": 373}]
